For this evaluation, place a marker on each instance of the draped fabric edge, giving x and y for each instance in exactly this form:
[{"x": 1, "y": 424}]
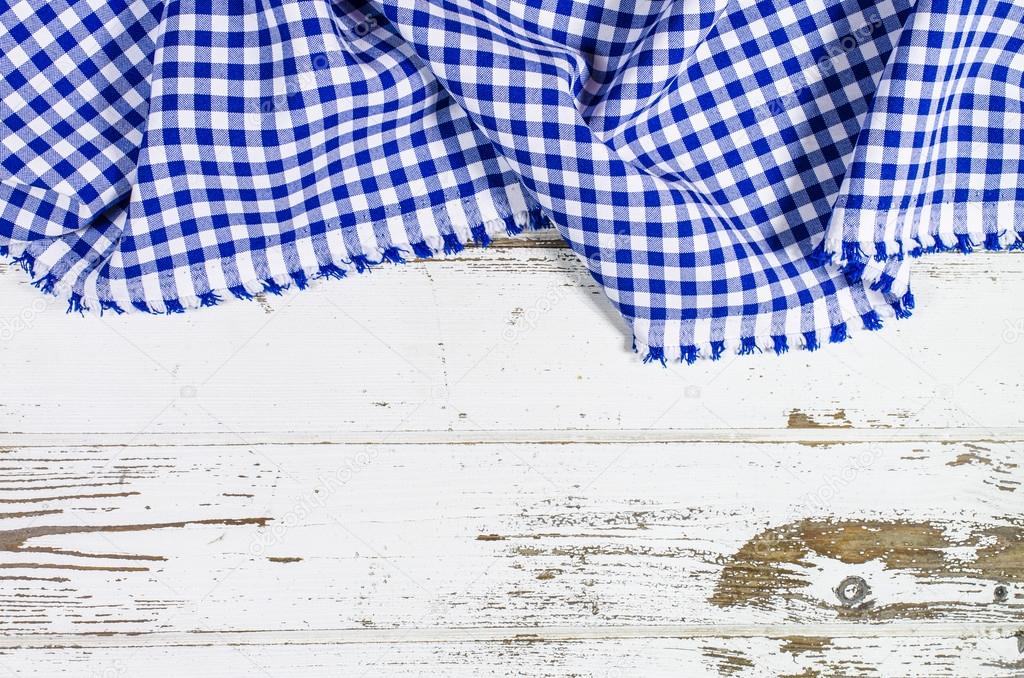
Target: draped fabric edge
[
  {"x": 952, "y": 227},
  {"x": 879, "y": 236},
  {"x": 501, "y": 212}
]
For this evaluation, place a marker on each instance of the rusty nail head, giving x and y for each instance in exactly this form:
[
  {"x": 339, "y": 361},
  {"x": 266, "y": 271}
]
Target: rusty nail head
[{"x": 852, "y": 590}]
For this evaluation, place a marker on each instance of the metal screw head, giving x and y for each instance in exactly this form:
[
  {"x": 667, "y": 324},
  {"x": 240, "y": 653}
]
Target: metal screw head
[
  {"x": 1001, "y": 593},
  {"x": 852, "y": 591}
]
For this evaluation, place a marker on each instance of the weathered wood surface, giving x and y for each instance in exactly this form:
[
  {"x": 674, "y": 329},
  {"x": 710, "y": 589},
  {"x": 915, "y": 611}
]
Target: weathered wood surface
[
  {"x": 458, "y": 468},
  {"x": 692, "y": 658},
  {"x": 499, "y": 340}
]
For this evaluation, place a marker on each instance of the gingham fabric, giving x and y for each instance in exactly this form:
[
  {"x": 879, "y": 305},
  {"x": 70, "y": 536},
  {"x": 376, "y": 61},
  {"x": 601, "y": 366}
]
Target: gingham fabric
[
  {"x": 739, "y": 175},
  {"x": 939, "y": 162}
]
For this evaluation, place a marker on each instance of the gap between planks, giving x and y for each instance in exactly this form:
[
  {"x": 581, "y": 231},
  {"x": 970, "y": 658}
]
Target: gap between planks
[
  {"x": 506, "y": 634},
  {"x": 823, "y": 435}
]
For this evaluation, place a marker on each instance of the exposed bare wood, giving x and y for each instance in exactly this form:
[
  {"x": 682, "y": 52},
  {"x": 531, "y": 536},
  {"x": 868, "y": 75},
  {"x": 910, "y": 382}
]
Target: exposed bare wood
[
  {"x": 804, "y": 636},
  {"x": 495, "y": 535},
  {"x": 779, "y": 562}
]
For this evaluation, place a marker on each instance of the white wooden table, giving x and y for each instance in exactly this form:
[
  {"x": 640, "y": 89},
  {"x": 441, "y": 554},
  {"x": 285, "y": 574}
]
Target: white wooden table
[{"x": 457, "y": 468}]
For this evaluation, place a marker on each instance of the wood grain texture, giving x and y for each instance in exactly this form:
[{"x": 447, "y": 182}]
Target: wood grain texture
[
  {"x": 390, "y": 545},
  {"x": 698, "y": 658},
  {"x": 458, "y": 468}
]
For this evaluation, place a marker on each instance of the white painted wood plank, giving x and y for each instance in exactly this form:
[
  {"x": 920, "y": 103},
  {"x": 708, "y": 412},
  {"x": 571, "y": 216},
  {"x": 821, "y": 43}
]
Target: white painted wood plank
[
  {"x": 539, "y": 634},
  {"x": 801, "y": 429},
  {"x": 415, "y": 469},
  {"x": 333, "y": 538},
  {"x": 693, "y": 658},
  {"x": 499, "y": 340}
]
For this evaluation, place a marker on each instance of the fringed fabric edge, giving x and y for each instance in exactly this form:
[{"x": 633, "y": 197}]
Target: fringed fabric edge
[
  {"x": 870, "y": 321},
  {"x": 449, "y": 243},
  {"x": 860, "y": 239}
]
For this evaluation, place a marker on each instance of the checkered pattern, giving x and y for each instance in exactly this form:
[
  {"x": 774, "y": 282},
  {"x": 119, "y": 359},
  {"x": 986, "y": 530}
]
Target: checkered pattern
[
  {"x": 939, "y": 164},
  {"x": 158, "y": 155},
  {"x": 694, "y": 153}
]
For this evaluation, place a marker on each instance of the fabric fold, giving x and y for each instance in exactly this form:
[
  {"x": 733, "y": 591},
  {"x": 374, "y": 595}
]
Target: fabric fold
[
  {"x": 699, "y": 222},
  {"x": 939, "y": 164},
  {"x": 739, "y": 176}
]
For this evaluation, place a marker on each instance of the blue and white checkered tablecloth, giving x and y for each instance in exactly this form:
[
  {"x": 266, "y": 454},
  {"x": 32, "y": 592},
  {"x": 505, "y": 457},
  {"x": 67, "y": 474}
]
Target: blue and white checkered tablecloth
[{"x": 738, "y": 175}]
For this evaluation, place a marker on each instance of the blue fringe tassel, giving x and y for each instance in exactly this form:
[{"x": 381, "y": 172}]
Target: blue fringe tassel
[
  {"x": 902, "y": 312},
  {"x": 241, "y": 293},
  {"x": 992, "y": 242},
  {"x": 393, "y": 255},
  {"x": 110, "y": 306},
  {"x": 1018, "y": 245},
  {"x": 209, "y": 299},
  {"x": 655, "y": 353},
  {"x": 27, "y": 262},
  {"x": 688, "y": 354},
  {"x": 908, "y": 300},
  {"x": 141, "y": 306},
  {"x": 853, "y": 252},
  {"x": 300, "y": 279},
  {"x": 748, "y": 346},
  {"x": 362, "y": 263},
  {"x": 271, "y": 287},
  {"x": 717, "y": 349},
  {"x": 331, "y": 271},
  {"x": 872, "y": 321},
  {"x": 854, "y": 271},
  {"x": 883, "y": 284},
  {"x": 46, "y": 283},
  {"x": 422, "y": 250},
  {"x": 839, "y": 334},
  {"x": 819, "y": 257},
  {"x": 781, "y": 344},
  {"x": 880, "y": 252},
  {"x": 964, "y": 244},
  {"x": 452, "y": 244},
  {"x": 173, "y": 306},
  {"x": 537, "y": 220},
  {"x": 512, "y": 228},
  {"x": 811, "y": 341},
  {"x": 480, "y": 236},
  {"x": 75, "y": 304}
]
